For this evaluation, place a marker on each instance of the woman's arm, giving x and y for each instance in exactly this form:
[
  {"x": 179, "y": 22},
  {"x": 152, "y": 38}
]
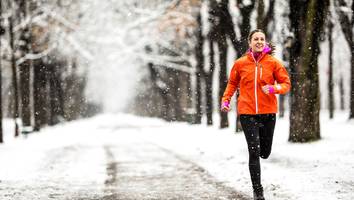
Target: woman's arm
[
  {"x": 232, "y": 85},
  {"x": 282, "y": 78}
]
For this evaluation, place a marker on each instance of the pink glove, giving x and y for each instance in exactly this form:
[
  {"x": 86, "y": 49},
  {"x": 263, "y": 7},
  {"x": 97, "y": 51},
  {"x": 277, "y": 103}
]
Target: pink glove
[
  {"x": 268, "y": 89},
  {"x": 225, "y": 106}
]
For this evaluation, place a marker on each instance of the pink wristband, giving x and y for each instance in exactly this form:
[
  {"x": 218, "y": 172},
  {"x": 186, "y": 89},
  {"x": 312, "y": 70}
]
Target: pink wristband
[
  {"x": 225, "y": 104},
  {"x": 271, "y": 90}
]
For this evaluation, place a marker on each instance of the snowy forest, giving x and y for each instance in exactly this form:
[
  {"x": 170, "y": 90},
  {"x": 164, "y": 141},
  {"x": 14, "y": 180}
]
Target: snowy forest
[
  {"x": 63, "y": 60},
  {"x": 124, "y": 100}
]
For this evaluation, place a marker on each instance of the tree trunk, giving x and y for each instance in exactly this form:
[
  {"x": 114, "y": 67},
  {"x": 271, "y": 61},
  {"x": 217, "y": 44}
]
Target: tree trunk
[
  {"x": 330, "y": 71},
  {"x": 161, "y": 91},
  {"x": 1, "y": 34},
  {"x": 209, "y": 84},
  {"x": 24, "y": 75},
  {"x": 199, "y": 70},
  {"x": 341, "y": 93},
  {"x": 347, "y": 28},
  {"x": 245, "y": 25},
  {"x": 55, "y": 93},
  {"x": 178, "y": 94},
  {"x": 286, "y": 58},
  {"x": 212, "y": 36},
  {"x": 260, "y": 15},
  {"x": 24, "y": 67},
  {"x": 263, "y": 19},
  {"x": 307, "y": 21},
  {"x": 40, "y": 94},
  {"x": 351, "y": 116},
  {"x": 222, "y": 23},
  {"x": 14, "y": 76},
  {"x": 222, "y": 46}
]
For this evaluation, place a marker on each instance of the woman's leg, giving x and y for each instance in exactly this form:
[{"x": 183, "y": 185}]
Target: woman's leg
[
  {"x": 266, "y": 132},
  {"x": 250, "y": 129}
]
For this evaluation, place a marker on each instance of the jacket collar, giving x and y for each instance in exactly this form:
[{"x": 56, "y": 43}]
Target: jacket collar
[{"x": 257, "y": 58}]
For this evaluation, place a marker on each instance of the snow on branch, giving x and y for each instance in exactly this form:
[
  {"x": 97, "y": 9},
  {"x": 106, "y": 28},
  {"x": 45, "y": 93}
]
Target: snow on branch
[
  {"x": 78, "y": 47},
  {"x": 31, "y": 56},
  {"x": 62, "y": 20}
]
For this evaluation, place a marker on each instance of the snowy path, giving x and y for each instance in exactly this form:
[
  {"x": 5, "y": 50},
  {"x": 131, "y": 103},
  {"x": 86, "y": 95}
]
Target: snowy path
[
  {"x": 119, "y": 156},
  {"x": 105, "y": 161},
  {"x": 141, "y": 170}
]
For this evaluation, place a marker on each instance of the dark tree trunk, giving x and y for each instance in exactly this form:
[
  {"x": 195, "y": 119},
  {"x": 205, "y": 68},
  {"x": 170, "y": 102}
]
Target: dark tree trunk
[
  {"x": 341, "y": 93},
  {"x": 40, "y": 94},
  {"x": 231, "y": 34},
  {"x": 199, "y": 70},
  {"x": 223, "y": 20},
  {"x": 222, "y": 46},
  {"x": 55, "y": 93},
  {"x": 1, "y": 34},
  {"x": 260, "y": 15},
  {"x": 307, "y": 21},
  {"x": 24, "y": 67},
  {"x": 209, "y": 84},
  {"x": 14, "y": 76},
  {"x": 229, "y": 24},
  {"x": 263, "y": 19},
  {"x": 24, "y": 75},
  {"x": 161, "y": 91},
  {"x": 75, "y": 104},
  {"x": 330, "y": 71},
  {"x": 179, "y": 115},
  {"x": 245, "y": 25},
  {"x": 212, "y": 37},
  {"x": 351, "y": 116}
]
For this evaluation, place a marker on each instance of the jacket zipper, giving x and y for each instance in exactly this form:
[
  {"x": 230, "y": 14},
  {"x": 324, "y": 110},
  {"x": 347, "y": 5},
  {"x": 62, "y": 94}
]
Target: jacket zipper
[
  {"x": 255, "y": 83},
  {"x": 255, "y": 87}
]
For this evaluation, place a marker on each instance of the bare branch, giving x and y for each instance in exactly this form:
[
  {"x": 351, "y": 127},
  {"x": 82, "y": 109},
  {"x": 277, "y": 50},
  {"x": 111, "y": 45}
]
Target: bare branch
[{"x": 344, "y": 19}]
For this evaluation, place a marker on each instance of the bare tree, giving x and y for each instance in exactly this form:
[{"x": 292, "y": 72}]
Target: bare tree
[
  {"x": 307, "y": 20},
  {"x": 40, "y": 94},
  {"x": 341, "y": 93},
  {"x": 245, "y": 25},
  {"x": 347, "y": 25},
  {"x": 221, "y": 29},
  {"x": 199, "y": 68},
  {"x": 264, "y": 18},
  {"x": 56, "y": 93},
  {"x": 2, "y": 31},
  {"x": 14, "y": 72},
  {"x": 24, "y": 67},
  {"x": 330, "y": 70}
]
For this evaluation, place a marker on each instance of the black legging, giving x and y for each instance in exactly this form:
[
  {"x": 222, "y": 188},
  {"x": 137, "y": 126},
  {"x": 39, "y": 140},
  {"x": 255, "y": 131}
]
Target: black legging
[{"x": 258, "y": 130}]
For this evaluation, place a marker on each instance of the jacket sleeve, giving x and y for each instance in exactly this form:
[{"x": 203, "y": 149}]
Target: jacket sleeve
[
  {"x": 232, "y": 84},
  {"x": 283, "y": 81}
]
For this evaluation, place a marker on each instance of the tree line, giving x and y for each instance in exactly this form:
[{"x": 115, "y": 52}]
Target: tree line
[{"x": 39, "y": 86}]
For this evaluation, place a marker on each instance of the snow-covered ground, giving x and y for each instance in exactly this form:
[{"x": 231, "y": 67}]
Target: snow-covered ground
[{"x": 317, "y": 170}]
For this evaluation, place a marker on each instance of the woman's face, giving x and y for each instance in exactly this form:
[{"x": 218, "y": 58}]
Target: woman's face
[{"x": 257, "y": 42}]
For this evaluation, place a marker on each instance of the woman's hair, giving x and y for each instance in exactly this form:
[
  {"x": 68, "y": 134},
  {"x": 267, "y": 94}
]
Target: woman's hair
[
  {"x": 271, "y": 46},
  {"x": 253, "y": 32}
]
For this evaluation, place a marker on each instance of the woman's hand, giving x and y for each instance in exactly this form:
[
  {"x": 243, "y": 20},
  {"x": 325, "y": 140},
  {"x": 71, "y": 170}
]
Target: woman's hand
[
  {"x": 268, "y": 89},
  {"x": 225, "y": 106}
]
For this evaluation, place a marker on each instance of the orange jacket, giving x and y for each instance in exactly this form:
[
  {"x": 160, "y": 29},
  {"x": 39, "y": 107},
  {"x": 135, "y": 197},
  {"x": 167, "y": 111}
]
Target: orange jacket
[{"x": 250, "y": 75}]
